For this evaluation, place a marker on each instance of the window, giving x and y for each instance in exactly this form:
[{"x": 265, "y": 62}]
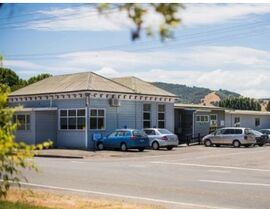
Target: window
[
  {"x": 237, "y": 121},
  {"x": 202, "y": 118},
  {"x": 150, "y": 132},
  {"x": 213, "y": 120},
  {"x": 23, "y": 121},
  {"x": 146, "y": 115},
  {"x": 161, "y": 116},
  {"x": 72, "y": 119},
  {"x": 97, "y": 119},
  {"x": 257, "y": 122}
]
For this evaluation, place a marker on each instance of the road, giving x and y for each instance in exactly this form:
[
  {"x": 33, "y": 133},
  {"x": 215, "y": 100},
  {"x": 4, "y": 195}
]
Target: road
[{"x": 191, "y": 177}]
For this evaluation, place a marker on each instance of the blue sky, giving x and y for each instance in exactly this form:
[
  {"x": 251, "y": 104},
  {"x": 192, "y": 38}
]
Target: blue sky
[{"x": 216, "y": 46}]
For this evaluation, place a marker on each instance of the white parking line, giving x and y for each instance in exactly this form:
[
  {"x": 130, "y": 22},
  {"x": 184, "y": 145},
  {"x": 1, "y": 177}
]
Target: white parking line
[
  {"x": 219, "y": 171},
  {"x": 184, "y": 204},
  {"x": 212, "y": 166},
  {"x": 235, "y": 183}
]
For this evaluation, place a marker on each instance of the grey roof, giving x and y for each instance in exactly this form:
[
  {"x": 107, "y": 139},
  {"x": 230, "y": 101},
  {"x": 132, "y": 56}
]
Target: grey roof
[
  {"x": 72, "y": 83},
  {"x": 247, "y": 112},
  {"x": 196, "y": 106},
  {"x": 142, "y": 87}
]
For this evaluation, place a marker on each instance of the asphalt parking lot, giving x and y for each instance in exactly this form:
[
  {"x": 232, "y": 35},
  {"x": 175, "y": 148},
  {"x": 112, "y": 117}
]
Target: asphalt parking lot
[{"x": 187, "y": 177}]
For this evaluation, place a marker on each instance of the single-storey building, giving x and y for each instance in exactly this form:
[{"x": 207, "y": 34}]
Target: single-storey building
[
  {"x": 246, "y": 118},
  {"x": 193, "y": 121},
  {"x": 69, "y": 109},
  {"x": 197, "y": 120}
]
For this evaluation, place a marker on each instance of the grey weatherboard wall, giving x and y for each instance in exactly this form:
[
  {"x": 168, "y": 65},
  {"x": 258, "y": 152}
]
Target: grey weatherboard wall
[{"x": 129, "y": 114}]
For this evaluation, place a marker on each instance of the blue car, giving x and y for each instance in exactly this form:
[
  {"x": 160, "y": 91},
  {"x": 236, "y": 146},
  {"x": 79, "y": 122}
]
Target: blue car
[{"x": 124, "y": 139}]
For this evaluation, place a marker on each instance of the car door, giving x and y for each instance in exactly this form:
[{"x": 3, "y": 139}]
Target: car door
[
  {"x": 110, "y": 139},
  {"x": 228, "y": 136},
  {"x": 218, "y": 136},
  {"x": 152, "y": 135}
]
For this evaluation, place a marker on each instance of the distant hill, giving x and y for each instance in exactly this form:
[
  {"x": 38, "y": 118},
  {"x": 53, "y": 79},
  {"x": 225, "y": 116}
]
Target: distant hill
[{"x": 195, "y": 95}]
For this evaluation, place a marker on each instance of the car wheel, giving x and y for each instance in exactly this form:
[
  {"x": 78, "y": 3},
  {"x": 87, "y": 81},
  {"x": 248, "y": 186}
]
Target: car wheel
[
  {"x": 155, "y": 146},
  {"x": 169, "y": 148},
  {"x": 236, "y": 143},
  {"x": 207, "y": 143},
  {"x": 141, "y": 149},
  {"x": 100, "y": 146},
  {"x": 123, "y": 147}
]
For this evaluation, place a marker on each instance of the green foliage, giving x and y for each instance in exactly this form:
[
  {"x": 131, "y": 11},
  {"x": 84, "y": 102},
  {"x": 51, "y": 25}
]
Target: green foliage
[
  {"x": 13, "y": 156},
  {"x": 241, "y": 103},
  {"x": 18, "y": 205},
  {"x": 37, "y": 78},
  {"x": 192, "y": 94},
  {"x": 136, "y": 13},
  {"x": 268, "y": 106},
  {"x": 11, "y": 79},
  {"x": 8, "y": 77}
]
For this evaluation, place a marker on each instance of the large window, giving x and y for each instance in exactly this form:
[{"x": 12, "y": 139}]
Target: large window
[
  {"x": 237, "y": 121},
  {"x": 257, "y": 122},
  {"x": 23, "y": 121},
  {"x": 161, "y": 116},
  {"x": 72, "y": 119},
  {"x": 147, "y": 115},
  {"x": 97, "y": 119},
  {"x": 202, "y": 118}
]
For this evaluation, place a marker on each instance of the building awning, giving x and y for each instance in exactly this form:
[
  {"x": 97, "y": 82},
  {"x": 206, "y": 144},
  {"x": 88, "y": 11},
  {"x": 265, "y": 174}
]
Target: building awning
[{"x": 39, "y": 109}]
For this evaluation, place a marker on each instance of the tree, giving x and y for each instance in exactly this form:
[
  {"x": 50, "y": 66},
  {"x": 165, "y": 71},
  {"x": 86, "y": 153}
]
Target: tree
[
  {"x": 13, "y": 156},
  {"x": 8, "y": 77},
  {"x": 38, "y": 78},
  {"x": 241, "y": 103},
  {"x": 268, "y": 106}
]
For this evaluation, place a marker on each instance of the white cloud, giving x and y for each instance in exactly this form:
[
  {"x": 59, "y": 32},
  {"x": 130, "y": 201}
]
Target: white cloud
[
  {"x": 202, "y": 14},
  {"x": 241, "y": 69},
  {"x": 86, "y": 18}
]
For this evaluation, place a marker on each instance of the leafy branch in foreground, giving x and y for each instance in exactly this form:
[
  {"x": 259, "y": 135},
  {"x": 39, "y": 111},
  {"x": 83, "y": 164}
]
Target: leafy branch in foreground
[
  {"x": 168, "y": 13},
  {"x": 14, "y": 157}
]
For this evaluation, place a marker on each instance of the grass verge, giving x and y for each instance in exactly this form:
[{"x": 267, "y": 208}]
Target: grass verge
[{"x": 36, "y": 199}]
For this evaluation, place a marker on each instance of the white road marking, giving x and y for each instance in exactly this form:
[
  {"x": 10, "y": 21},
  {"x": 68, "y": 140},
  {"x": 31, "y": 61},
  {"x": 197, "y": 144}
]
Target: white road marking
[
  {"x": 123, "y": 196},
  {"x": 212, "y": 166},
  {"x": 219, "y": 171},
  {"x": 235, "y": 183},
  {"x": 219, "y": 155}
]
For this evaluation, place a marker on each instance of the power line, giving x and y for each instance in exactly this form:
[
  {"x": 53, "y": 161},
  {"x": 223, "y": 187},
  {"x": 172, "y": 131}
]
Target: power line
[{"x": 181, "y": 39}]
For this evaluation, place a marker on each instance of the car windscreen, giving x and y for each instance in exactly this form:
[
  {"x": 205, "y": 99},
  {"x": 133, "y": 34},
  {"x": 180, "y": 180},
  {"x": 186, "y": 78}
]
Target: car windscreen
[{"x": 164, "y": 131}]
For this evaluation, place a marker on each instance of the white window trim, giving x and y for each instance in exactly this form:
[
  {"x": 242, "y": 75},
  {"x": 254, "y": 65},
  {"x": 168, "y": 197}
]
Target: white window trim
[
  {"x": 200, "y": 121},
  {"x": 25, "y": 125},
  {"x": 150, "y": 120},
  {"x": 90, "y": 120},
  {"x": 59, "y": 117},
  {"x": 164, "y": 115}
]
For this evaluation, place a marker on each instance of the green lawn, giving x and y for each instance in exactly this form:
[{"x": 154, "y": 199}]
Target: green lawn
[{"x": 17, "y": 205}]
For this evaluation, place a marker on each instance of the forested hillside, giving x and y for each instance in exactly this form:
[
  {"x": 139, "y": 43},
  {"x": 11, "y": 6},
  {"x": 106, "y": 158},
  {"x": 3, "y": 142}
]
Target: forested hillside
[{"x": 193, "y": 94}]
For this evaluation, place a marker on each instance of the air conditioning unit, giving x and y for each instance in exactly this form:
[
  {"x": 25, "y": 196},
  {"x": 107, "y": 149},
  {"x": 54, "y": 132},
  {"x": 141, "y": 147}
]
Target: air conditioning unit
[{"x": 115, "y": 102}]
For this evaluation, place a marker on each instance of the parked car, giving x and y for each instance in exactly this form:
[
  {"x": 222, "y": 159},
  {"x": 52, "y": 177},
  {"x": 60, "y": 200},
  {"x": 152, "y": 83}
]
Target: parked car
[
  {"x": 265, "y": 131},
  {"x": 159, "y": 137},
  {"x": 124, "y": 139},
  {"x": 235, "y": 136},
  {"x": 261, "y": 138}
]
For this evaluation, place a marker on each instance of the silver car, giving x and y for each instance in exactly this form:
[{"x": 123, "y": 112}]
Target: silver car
[
  {"x": 235, "y": 136},
  {"x": 159, "y": 137}
]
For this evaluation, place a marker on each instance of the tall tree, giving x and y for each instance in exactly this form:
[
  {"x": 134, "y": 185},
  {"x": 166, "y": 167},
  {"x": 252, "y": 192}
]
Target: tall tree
[{"x": 8, "y": 77}]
